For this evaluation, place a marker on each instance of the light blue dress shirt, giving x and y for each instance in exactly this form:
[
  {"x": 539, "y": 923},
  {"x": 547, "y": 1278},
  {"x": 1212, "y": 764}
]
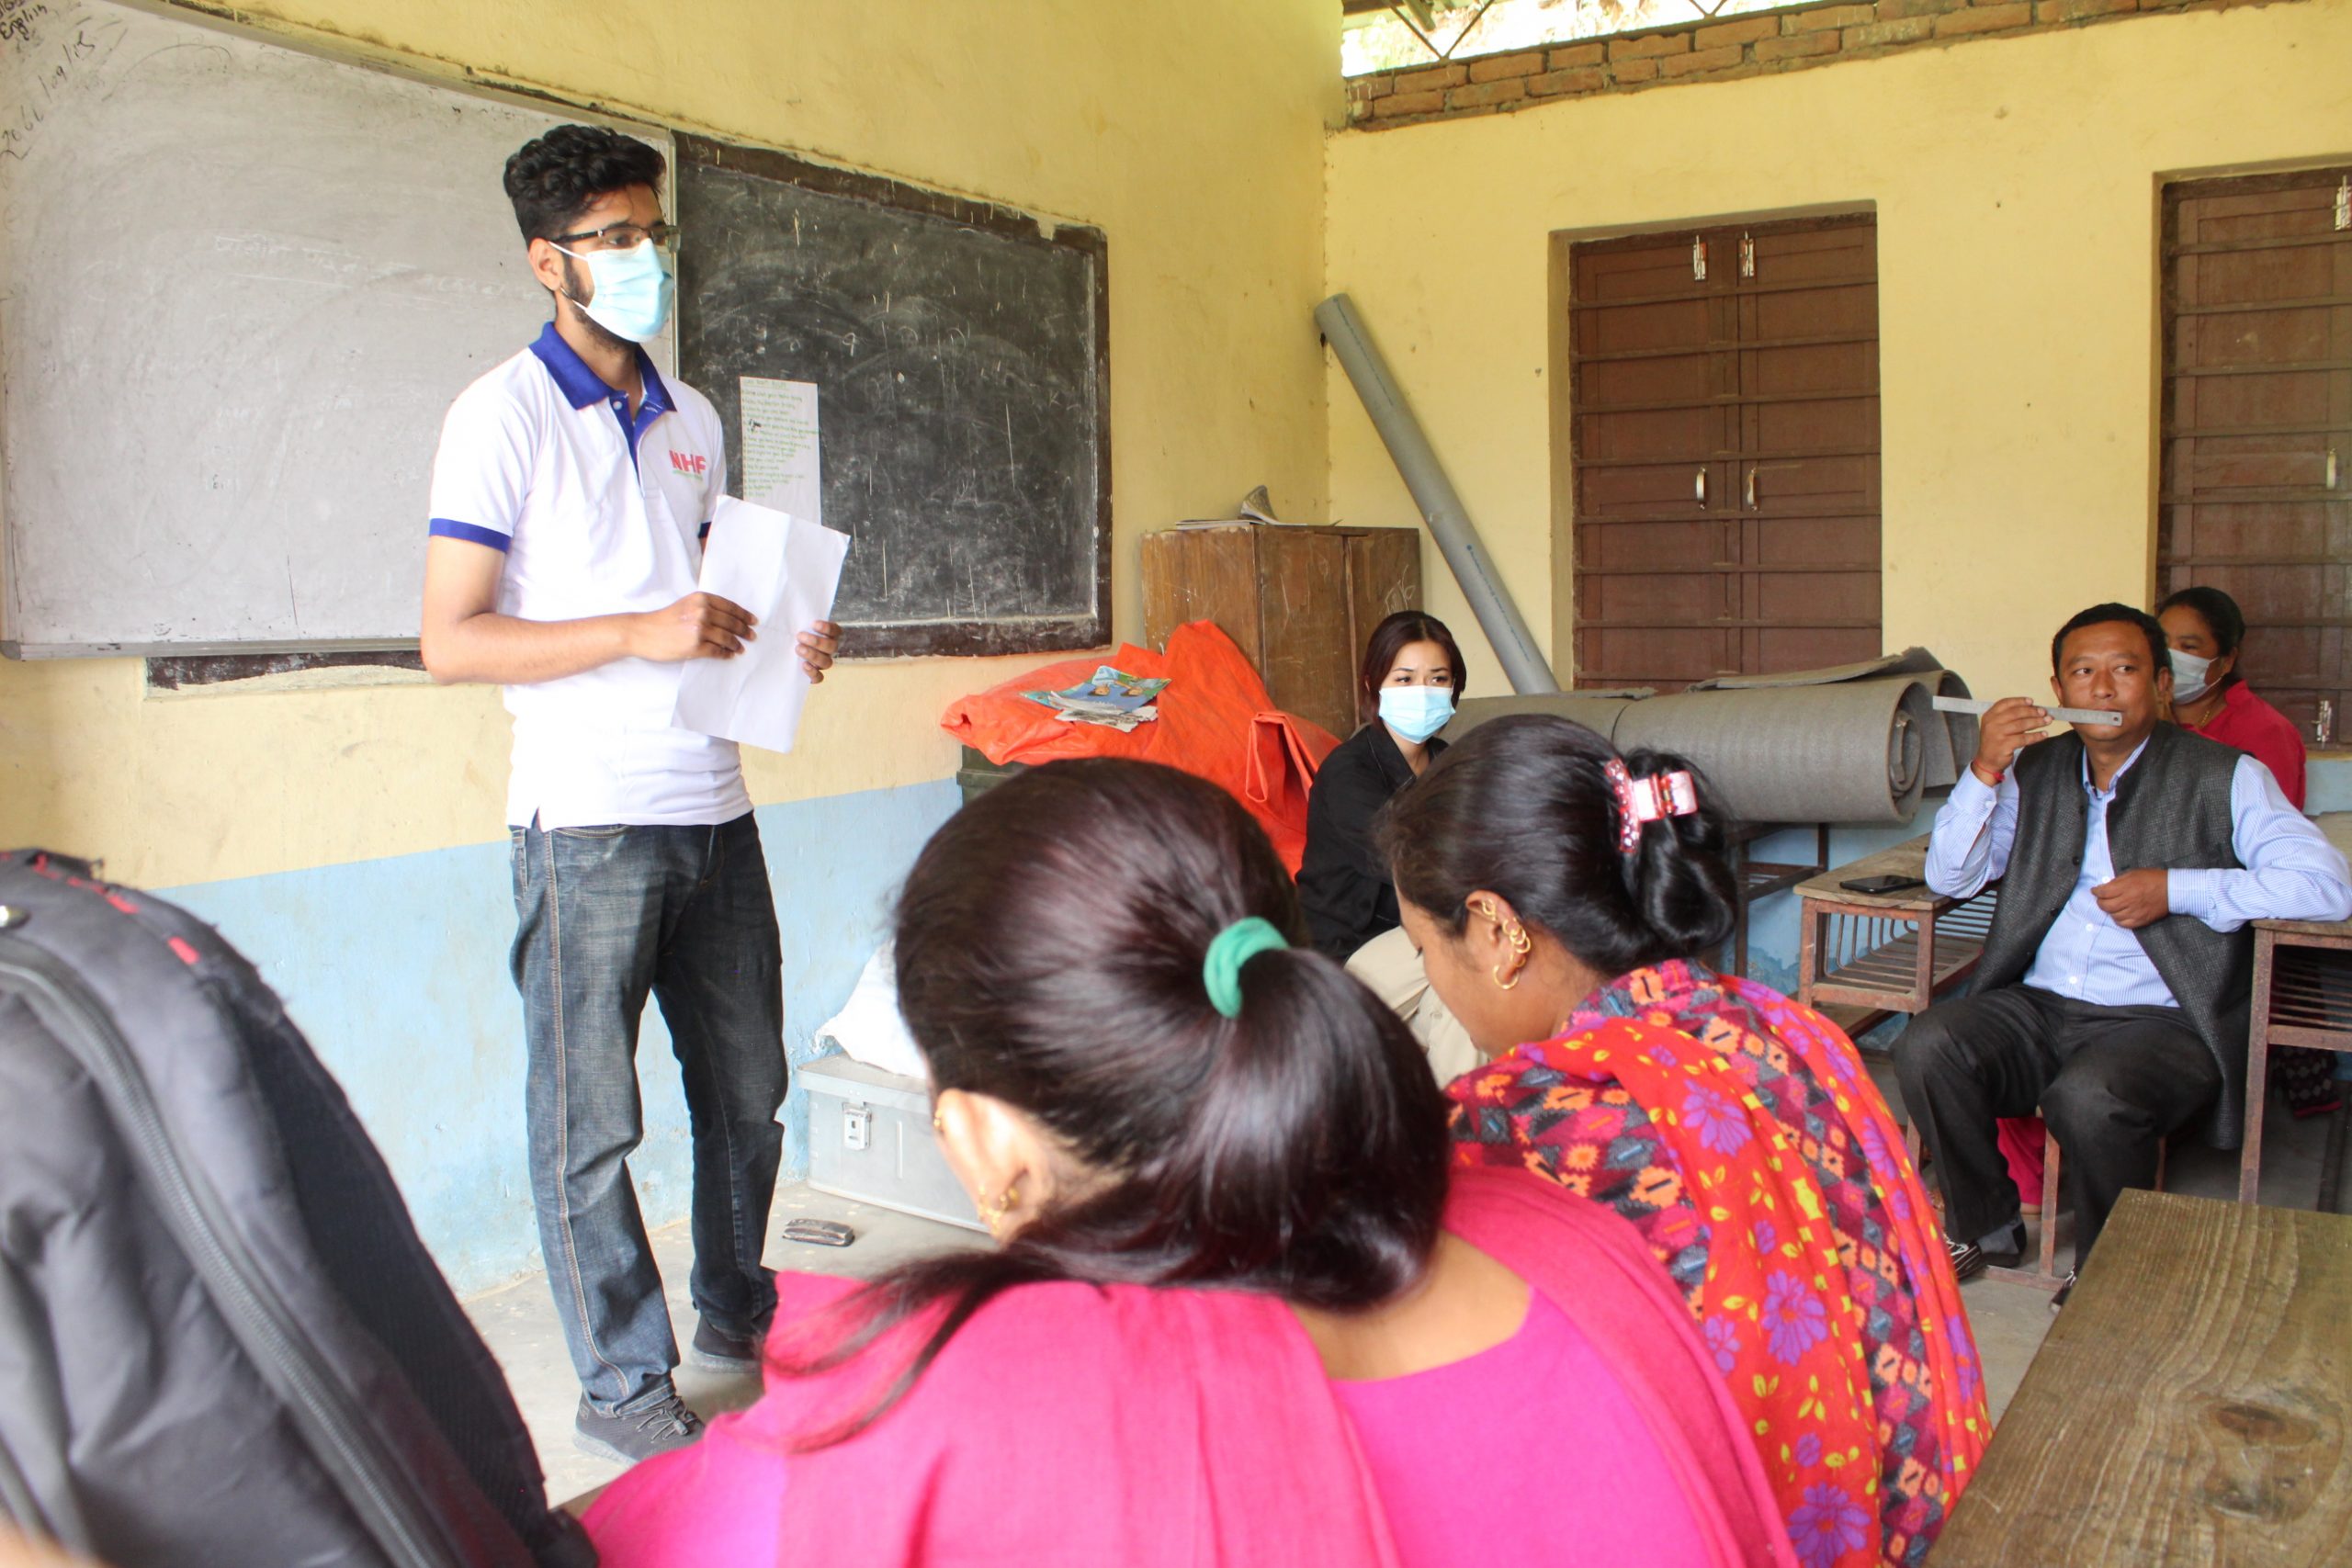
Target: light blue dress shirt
[{"x": 2291, "y": 873}]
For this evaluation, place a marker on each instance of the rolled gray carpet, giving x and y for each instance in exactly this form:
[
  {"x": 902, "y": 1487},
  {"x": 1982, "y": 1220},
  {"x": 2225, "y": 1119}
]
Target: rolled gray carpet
[
  {"x": 1854, "y": 743},
  {"x": 1594, "y": 710},
  {"x": 1853, "y": 751}
]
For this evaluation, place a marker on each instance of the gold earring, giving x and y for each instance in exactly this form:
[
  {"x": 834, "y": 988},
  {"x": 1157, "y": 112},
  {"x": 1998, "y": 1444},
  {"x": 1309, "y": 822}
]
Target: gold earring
[
  {"x": 938, "y": 1121},
  {"x": 1522, "y": 944},
  {"x": 993, "y": 1215}
]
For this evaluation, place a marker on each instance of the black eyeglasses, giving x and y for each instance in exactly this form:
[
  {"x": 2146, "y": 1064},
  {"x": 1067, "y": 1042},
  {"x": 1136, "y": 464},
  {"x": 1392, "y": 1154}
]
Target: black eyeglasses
[{"x": 625, "y": 237}]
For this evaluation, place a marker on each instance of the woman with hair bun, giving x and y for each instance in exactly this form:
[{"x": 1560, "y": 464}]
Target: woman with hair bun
[
  {"x": 1565, "y": 900},
  {"x": 1243, "y": 1310}
]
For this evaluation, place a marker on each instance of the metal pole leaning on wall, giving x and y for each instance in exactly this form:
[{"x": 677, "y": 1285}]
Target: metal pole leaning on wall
[{"x": 1450, "y": 526}]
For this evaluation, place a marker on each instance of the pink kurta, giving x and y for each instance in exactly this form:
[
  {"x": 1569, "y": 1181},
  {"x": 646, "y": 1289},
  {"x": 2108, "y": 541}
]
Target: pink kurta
[{"x": 1067, "y": 1425}]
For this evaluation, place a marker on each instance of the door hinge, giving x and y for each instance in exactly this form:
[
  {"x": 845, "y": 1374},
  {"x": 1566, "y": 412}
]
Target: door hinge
[
  {"x": 1747, "y": 256},
  {"x": 1699, "y": 259},
  {"x": 2344, "y": 203}
]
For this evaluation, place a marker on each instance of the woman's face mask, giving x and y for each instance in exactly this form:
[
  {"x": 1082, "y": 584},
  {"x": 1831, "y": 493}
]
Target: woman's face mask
[
  {"x": 1416, "y": 712},
  {"x": 2191, "y": 676}
]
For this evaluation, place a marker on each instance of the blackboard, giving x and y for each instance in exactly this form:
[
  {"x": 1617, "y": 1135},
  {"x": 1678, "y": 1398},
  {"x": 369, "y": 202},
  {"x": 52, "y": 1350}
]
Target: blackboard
[{"x": 961, "y": 355}]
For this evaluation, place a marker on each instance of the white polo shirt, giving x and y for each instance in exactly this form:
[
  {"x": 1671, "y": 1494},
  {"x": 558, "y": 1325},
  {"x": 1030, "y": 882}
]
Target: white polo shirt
[{"x": 597, "y": 514}]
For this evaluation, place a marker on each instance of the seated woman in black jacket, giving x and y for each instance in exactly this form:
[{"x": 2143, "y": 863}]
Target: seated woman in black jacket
[{"x": 1405, "y": 690}]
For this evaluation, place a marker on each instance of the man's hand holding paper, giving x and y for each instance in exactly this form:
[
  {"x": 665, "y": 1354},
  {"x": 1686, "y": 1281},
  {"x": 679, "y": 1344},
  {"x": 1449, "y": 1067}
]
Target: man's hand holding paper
[{"x": 782, "y": 570}]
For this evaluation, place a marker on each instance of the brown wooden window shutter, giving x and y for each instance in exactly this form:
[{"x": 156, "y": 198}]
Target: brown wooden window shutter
[
  {"x": 2255, "y": 493},
  {"x": 1725, "y": 442}
]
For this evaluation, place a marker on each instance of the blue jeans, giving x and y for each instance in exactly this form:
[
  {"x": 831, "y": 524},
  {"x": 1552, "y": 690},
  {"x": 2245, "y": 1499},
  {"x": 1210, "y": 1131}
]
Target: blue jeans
[{"x": 605, "y": 917}]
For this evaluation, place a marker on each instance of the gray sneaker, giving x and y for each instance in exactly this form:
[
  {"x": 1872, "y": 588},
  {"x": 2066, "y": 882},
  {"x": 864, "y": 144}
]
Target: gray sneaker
[{"x": 640, "y": 1434}]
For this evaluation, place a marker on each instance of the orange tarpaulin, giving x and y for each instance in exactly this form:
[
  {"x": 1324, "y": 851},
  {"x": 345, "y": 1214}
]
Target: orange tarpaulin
[{"x": 1216, "y": 720}]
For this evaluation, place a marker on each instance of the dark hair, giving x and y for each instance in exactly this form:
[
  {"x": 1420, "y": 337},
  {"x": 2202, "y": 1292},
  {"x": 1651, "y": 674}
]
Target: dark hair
[
  {"x": 2221, "y": 617},
  {"x": 2099, "y": 616},
  {"x": 1389, "y": 639},
  {"x": 1050, "y": 941},
  {"x": 553, "y": 180},
  {"x": 1523, "y": 807}
]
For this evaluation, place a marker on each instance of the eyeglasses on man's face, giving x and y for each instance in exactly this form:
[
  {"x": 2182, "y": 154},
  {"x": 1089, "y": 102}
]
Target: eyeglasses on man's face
[{"x": 623, "y": 237}]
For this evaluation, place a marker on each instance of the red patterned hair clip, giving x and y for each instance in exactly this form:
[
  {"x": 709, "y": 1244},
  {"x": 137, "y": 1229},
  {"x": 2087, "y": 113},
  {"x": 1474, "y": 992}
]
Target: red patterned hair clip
[{"x": 1642, "y": 801}]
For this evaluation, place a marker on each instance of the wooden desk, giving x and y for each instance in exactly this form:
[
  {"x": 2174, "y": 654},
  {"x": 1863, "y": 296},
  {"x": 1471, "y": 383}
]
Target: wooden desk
[
  {"x": 1864, "y": 956},
  {"x": 2190, "y": 1405}
]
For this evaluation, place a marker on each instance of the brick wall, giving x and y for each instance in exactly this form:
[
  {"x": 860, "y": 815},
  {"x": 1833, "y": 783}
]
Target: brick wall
[{"x": 1714, "y": 52}]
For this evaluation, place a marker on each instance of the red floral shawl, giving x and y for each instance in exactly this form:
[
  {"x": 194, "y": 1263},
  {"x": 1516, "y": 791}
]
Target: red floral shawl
[{"x": 1741, "y": 1134}]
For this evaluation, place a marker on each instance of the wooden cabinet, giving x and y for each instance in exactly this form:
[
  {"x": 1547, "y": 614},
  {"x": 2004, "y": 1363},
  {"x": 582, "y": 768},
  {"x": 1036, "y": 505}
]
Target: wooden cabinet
[{"x": 1300, "y": 601}]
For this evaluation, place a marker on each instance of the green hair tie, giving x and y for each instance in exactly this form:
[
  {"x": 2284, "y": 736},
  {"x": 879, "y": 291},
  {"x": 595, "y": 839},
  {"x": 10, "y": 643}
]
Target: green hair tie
[{"x": 1234, "y": 946}]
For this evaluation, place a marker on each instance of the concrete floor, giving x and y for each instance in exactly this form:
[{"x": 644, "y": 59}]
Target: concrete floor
[{"x": 519, "y": 1321}]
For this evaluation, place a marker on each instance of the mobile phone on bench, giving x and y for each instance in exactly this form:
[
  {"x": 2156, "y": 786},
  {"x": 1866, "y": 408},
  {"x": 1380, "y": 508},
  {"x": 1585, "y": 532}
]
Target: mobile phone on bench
[{"x": 1888, "y": 883}]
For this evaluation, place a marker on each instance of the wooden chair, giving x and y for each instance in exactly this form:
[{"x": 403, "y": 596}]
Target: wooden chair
[{"x": 2302, "y": 996}]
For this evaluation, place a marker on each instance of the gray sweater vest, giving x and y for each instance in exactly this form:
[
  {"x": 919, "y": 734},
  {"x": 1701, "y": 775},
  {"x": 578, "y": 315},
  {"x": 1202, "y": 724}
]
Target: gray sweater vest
[{"x": 2171, "y": 809}]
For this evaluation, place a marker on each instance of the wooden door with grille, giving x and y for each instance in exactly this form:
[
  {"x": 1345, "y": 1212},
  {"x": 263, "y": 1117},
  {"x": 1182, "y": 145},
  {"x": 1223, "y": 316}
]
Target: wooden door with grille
[
  {"x": 1723, "y": 429},
  {"x": 2255, "y": 498}
]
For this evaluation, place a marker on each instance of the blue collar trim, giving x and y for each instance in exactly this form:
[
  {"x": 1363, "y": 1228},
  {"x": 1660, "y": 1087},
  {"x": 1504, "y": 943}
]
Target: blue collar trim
[{"x": 581, "y": 386}]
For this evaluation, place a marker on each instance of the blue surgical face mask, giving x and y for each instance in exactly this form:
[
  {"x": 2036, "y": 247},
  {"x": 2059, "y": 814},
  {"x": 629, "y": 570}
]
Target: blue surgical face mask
[
  {"x": 2190, "y": 676},
  {"x": 1416, "y": 712},
  {"x": 633, "y": 289}
]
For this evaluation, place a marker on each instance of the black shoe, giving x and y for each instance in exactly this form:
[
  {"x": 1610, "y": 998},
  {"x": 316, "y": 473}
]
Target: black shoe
[
  {"x": 1968, "y": 1260},
  {"x": 2006, "y": 1256},
  {"x": 2064, "y": 1292},
  {"x": 641, "y": 1434},
  {"x": 716, "y": 1351}
]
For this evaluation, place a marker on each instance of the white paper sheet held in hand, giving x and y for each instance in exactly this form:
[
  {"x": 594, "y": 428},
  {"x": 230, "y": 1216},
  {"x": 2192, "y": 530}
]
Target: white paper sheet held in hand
[{"x": 784, "y": 571}]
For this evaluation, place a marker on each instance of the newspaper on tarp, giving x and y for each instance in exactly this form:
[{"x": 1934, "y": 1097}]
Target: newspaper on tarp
[{"x": 1110, "y": 698}]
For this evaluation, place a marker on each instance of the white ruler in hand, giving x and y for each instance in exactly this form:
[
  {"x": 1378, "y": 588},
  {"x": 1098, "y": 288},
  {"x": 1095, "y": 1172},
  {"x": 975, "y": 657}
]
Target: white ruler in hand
[{"x": 1979, "y": 706}]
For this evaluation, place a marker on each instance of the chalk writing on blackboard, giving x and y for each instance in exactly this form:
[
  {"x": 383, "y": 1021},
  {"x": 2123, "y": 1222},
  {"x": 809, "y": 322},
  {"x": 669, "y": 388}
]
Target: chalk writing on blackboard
[{"x": 962, "y": 353}]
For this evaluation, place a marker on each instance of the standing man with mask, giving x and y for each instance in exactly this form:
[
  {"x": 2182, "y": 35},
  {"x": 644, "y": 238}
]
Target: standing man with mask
[{"x": 570, "y": 494}]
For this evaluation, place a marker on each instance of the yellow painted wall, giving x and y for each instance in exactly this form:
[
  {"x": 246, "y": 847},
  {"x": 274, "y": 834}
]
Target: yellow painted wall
[
  {"x": 1190, "y": 130},
  {"x": 2016, "y": 187}
]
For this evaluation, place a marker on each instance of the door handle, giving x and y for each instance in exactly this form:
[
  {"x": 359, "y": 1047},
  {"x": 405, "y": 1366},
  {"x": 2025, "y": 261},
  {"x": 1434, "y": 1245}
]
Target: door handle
[
  {"x": 1752, "y": 489},
  {"x": 1699, "y": 486},
  {"x": 2329, "y": 483}
]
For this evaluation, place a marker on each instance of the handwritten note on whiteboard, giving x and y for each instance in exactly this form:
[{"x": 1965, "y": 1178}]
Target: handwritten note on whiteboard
[{"x": 780, "y": 446}]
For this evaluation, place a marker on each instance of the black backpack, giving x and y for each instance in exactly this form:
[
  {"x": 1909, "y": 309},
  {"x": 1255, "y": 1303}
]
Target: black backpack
[{"x": 221, "y": 1341}]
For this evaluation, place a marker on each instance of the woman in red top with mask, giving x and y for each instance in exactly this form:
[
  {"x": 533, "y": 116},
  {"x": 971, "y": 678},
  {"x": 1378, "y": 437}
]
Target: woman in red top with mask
[{"x": 2210, "y": 698}]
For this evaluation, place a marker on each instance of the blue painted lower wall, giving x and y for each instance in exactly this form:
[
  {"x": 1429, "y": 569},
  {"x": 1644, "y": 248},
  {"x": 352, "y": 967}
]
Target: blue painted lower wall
[{"x": 396, "y": 969}]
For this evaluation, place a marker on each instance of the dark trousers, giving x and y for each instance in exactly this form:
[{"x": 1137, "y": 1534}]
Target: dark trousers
[
  {"x": 2112, "y": 1082},
  {"x": 604, "y": 918}
]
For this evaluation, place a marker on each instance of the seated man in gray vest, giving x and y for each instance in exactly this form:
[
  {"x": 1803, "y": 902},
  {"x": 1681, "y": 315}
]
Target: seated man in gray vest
[{"x": 2111, "y": 997}]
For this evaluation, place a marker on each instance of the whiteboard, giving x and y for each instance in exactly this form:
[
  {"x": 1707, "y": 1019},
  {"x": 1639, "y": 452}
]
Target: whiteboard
[{"x": 240, "y": 284}]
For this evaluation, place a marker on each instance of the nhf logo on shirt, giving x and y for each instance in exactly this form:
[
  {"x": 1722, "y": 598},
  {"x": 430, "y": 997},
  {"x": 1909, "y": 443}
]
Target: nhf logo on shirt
[{"x": 692, "y": 463}]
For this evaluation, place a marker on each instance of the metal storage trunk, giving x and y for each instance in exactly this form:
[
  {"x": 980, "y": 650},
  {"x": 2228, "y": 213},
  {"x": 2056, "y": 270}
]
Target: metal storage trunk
[{"x": 870, "y": 1139}]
